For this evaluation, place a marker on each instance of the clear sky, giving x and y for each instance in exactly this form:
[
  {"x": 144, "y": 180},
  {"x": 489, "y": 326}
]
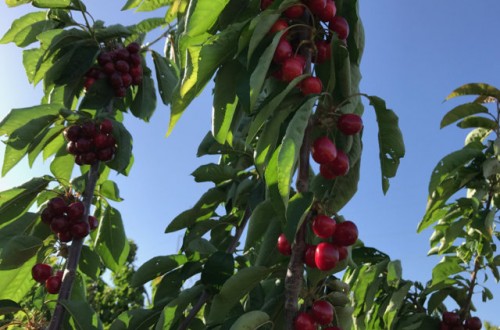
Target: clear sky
[{"x": 416, "y": 54}]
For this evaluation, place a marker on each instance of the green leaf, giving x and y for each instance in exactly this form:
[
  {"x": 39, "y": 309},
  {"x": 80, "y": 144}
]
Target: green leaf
[
  {"x": 15, "y": 3},
  {"x": 83, "y": 316},
  {"x": 201, "y": 246},
  {"x": 214, "y": 173},
  {"x": 297, "y": 212},
  {"x": 436, "y": 299},
  {"x": 217, "y": 269},
  {"x": 62, "y": 166},
  {"x": 109, "y": 189},
  {"x": 112, "y": 32},
  {"x": 290, "y": 150},
  {"x": 8, "y": 306},
  {"x": 144, "y": 103},
  {"x": 452, "y": 162},
  {"x": 394, "y": 273},
  {"x": 18, "y": 118},
  {"x": 462, "y": 111},
  {"x": 16, "y": 283},
  {"x": 271, "y": 178},
  {"x": 89, "y": 263},
  {"x": 258, "y": 222},
  {"x": 260, "y": 72},
  {"x": 343, "y": 188},
  {"x": 446, "y": 267},
  {"x": 203, "y": 15},
  {"x": 15, "y": 251},
  {"x": 52, "y": 3},
  {"x": 390, "y": 140},
  {"x": 98, "y": 96},
  {"x": 167, "y": 76},
  {"x": 41, "y": 141},
  {"x": 155, "y": 267},
  {"x": 176, "y": 308},
  {"x": 260, "y": 26},
  {"x": 111, "y": 243},
  {"x": 225, "y": 100},
  {"x": 135, "y": 319},
  {"x": 474, "y": 121},
  {"x": 395, "y": 303},
  {"x": 251, "y": 320},
  {"x": 17, "y": 201},
  {"x": 233, "y": 290},
  {"x": 22, "y": 23},
  {"x": 475, "y": 89},
  {"x": 123, "y": 156}
]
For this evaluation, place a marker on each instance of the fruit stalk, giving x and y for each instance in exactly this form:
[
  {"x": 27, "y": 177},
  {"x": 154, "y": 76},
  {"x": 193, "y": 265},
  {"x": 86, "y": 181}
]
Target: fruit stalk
[{"x": 74, "y": 252}]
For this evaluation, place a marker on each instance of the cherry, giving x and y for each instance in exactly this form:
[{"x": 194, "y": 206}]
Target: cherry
[
  {"x": 326, "y": 256},
  {"x": 116, "y": 80},
  {"x": 89, "y": 81},
  {"x": 304, "y": 321},
  {"x": 106, "y": 126},
  {"x": 72, "y": 133},
  {"x": 345, "y": 234},
  {"x": 451, "y": 318},
  {"x": 322, "y": 312},
  {"x": 284, "y": 246},
  {"x": 473, "y": 323},
  {"x": 332, "y": 328},
  {"x": 323, "y": 150},
  {"x": 105, "y": 154},
  {"x": 329, "y": 12},
  {"x": 136, "y": 73},
  {"x": 103, "y": 58},
  {"x": 89, "y": 158},
  {"x": 265, "y": 3},
  {"x": 41, "y": 272},
  {"x": 89, "y": 129},
  {"x": 278, "y": 26},
  {"x": 350, "y": 124},
  {"x": 75, "y": 211},
  {"x": 53, "y": 284},
  {"x": 93, "y": 223},
  {"x": 326, "y": 172},
  {"x": 340, "y": 165},
  {"x": 283, "y": 51},
  {"x": 339, "y": 25},
  {"x": 323, "y": 226},
  {"x": 309, "y": 256},
  {"x": 83, "y": 145},
  {"x": 443, "y": 326},
  {"x": 323, "y": 51},
  {"x": 311, "y": 85},
  {"x": 127, "y": 79},
  {"x": 291, "y": 69},
  {"x": 133, "y": 48},
  {"x": 109, "y": 68},
  {"x": 57, "y": 206},
  {"x": 101, "y": 141},
  {"x": 122, "y": 54},
  {"x": 316, "y": 6},
  {"x": 80, "y": 230},
  {"x": 295, "y": 11},
  {"x": 121, "y": 92},
  {"x": 71, "y": 148},
  {"x": 65, "y": 236},
  {"x": 59, "y": 224},
  {"x": 301, "y": 59},
  {"x": 122, "y": 66},
  {"x": 343, "y": 252},
  {"x": 135, "y": 59},
  {"x": 47, "y": 215}
]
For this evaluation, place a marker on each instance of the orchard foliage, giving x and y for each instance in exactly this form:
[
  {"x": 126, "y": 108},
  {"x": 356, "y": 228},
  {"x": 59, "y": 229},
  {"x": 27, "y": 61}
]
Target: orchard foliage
[{"x": 286, "y": 89}]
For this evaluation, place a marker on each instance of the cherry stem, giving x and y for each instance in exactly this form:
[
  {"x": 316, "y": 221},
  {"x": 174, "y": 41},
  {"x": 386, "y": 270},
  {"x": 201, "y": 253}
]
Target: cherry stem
[
  {"x": 74, "y": 253},
  {"x": 205, "y": 296}
]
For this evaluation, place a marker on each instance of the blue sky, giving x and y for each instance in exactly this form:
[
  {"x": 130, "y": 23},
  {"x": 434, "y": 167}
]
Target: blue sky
[{"x": 415, "y": 55}]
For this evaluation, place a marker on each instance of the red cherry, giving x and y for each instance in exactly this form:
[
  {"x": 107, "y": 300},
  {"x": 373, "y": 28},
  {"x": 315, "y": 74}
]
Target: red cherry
[
  {"x": 106, "y": 126},
  {"x": 101, "y": 141},
  {"x": 451, "y": 318},
  {"x": 340, "y": 165},
  {"x": 57, "y": 206},
  {"x": 316, "y": 6},
  {"x": 323, "y": 226},
  {"x": 265, "y": 3},
  {"x": 89, "y": 129},
  {"x": 444, "y": 326},
  {"x": 326, "y": 172},
  {"x": 284, "y": 246},
  {"x": 65, "y": 236},
  {"x": 103, "y": 58},
  {"x": 105, "y": 154},
  {"x": 59, "y": 224},
  {"x": 83, "y": 145},
  {"x": 332, "y": 328},
  {"x": 345, "y": 234},
  {"x": 301, "y": 59},
  {"x": 122, "y": 54},
  {"x": 329, "y": 12},
  {"x": 80, "y": 230},
  {"x": 72, "y": 133},
  {"x": 109, "y": 68},
  {"x": 53, "y": 284},
  {"x": 323, "y": 51},
  {"x": 71, "y": 148},
  {"x": 309, "y": 255},
  {"x": 304, "y": 321},
  {"x": 133, "y": 48},
  {"x": 350, "y": 124},
  {"x": 122, "y": 66},
  {"x": 327, "y": 256},
  {"x": 323, "y": 150},
  {"x": 93, "y": 223},
  {"x": 295, "y": 11},
  {"x": 283, "y": 51},
  {"x": 41, "y": 272},
  {"x": 473, "y": 323},
  {"x": 79, "y": 160},
  {"x": 94, "y": 73},
  {"x": 116, "y": 80},
  {"x": 322, "y": 312},
  {"x": 343, "y": 252},
  {"x": 291, "y": 69},
  {"x": 89, "y": 81},
  {"x": 311, "y": 85},
  {"x": 47, "y": 216},
  {"x": 75, "y": 211},
  {"x": 89, "y": 158},
  {"x": 339, "y": 25},
  {"x": 135, "y": 59},
  {"x": 278, "y": 26},
  {"x": 136, "y": 73},
  {"x": 127, "y": 80}
]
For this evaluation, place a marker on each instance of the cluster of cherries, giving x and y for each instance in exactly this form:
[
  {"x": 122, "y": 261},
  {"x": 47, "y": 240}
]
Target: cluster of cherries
[
  {"x": 42, "y": 273},
  {"x": 290, "y": 64},
  {"x": 121, "y": 67},
  {"x": 66, "y": 219},
  {"x": 90, "y": 142},
  {"x": 321, "y": 313},
  {"x": 333, "y": 161},
  {"x": 452, "y": 321}
]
